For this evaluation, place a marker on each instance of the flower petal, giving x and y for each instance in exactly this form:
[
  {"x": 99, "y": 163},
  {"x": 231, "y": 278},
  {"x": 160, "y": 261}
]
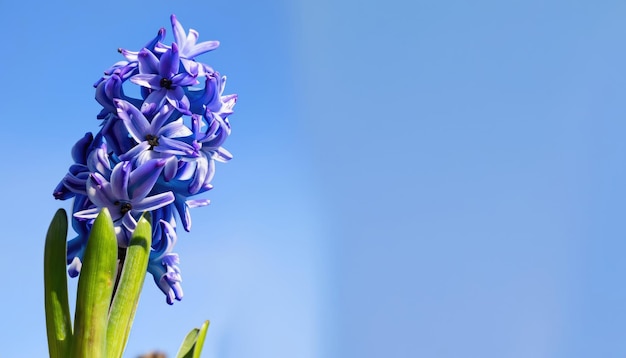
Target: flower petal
[
  {"x": 153, "y": 101},
  {"x": 201, "y": 48},
  {"x": 168, "y": 66},
  {"x": 173, "y": 146},
  {"x": 148, "y": 62},
  {"x": 147, "y": 80},
  {"x": 196, "y": 203},
  {"x": 135, "y": 151},
  {"x": 154, "y": 202},
  {"x": 136, "y": 123},
  {"x": 178, "y": 30},
  {"x": 175, "y": 129},
  {"x": 176, "y": 97},
  {"x": 171, "y": 167},
  {"x": 119, "y": 181},
  {"x": 99, "y": 190},
  {"x": 87, "y": 213},
  {"x": 143, "y": 178},
  {"x": 184, "y": 80}
]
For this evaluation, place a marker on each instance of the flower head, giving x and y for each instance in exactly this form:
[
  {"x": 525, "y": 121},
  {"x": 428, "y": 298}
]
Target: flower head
[{"x": 153, "y": 153}]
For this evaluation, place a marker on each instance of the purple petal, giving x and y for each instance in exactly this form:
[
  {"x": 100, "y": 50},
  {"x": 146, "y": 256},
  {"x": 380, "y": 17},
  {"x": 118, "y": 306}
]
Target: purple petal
[
  {"x": 177, "y": 29},
  {"x": 207, "y": 95},
  {"x": 99, "y": 161},
  {"x": 205, "y": 187},
  {"x": 135, "y": 151},
  {"x": 154, "y": 202},
  {"x": 184, "y": 80},
  {"x": 201, "y": 48},
  {"x": 160, "y": 118},
  {"x": 76, "y": 184},
  {"x": 99, "y": 190},
  {"x": 183, "y": 212},
  {"x": 113, "y": 87},
  {"x": 200, "y": 175},
  {"x": 130, "y": 55},
  {"x": 222, "y": 155},
  {"x": 196, "y": 203},
  {"x": 158, "y": 38},
  {"x": 175, "y": 129},
  {"x": 176, "y": 97},
  {"x": 74, "y": 269},
  {"x": 196, "y": 123},
  {"x": 169, "y": 63},
  {"x": 176, "y": 147},
  {"x": 87, "y": 213},
  {"x": 125, "y": 229},
  {"x": 148, "y": 62},
  {"x": 116, "y": 67},
  {"x": 143, "y": 178},
  {"x": 61, "y": 192},
  {"x": 153, "y": 100},
  {"x": 119, "y": 181},
  {"x": 192, "y": 67},
  {"x": 171, "y": 167},
  {"x": 136, "y": 123},
  {"x": 147, "y": 80},
  {"x": 166, "y": 244},
  {"x": 80, "y": 149},
  {"x": 192, "y": 39}
]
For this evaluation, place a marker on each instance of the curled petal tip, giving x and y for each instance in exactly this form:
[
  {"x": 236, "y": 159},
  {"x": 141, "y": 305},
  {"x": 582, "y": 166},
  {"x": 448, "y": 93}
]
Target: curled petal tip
[
  {"x": 173, "y": 18},
  {"x": 144, "y": 52},
  {"x": 97, "y": 179},
  {"x": 74, "y": 269}
]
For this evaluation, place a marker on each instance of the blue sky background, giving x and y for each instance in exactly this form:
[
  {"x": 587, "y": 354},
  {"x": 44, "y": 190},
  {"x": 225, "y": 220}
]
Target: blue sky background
[{"x": 411, "y": 179}]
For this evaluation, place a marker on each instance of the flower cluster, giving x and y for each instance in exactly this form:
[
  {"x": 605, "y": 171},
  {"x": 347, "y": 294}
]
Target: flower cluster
[{"x": 152, "y": 153}]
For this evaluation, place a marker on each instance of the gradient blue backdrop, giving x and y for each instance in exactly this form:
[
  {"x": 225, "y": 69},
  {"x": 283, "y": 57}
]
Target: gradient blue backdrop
[{"x": 411, "y": 178}]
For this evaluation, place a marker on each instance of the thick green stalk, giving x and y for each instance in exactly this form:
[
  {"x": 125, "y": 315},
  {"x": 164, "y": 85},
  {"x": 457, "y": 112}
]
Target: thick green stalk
[
  {"x": 58, "y": 320},
  {"x": 129, "y": 288},
  {"x": 95, "y": 287}
]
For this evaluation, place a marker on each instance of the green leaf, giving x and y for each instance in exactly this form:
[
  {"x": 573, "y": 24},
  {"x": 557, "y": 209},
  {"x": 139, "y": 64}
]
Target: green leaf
[
  {"x": 95, "y": 287},
  {"x": 129, "y": 288},
  {"x": 192, "y": 345},
  {"x": 200, "y": 341},
  {"x": 186, "y": 349},
  {"x": 58, "y": 320}
]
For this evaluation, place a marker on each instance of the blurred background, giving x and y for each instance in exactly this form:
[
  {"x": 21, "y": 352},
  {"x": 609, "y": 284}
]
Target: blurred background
[{"x": 411, "y": 178}]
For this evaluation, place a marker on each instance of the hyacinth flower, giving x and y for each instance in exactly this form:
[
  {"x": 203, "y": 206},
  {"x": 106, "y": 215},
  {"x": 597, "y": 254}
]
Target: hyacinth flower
[
  {"x": 189, "y": 48},
  {"x": 155, "y": 138},
  {"x": 125, "y": 196},
  {"x": 162, "y": 77},
  {"x": 163, "y": 263},
  {"x": 132, "y": 182}
]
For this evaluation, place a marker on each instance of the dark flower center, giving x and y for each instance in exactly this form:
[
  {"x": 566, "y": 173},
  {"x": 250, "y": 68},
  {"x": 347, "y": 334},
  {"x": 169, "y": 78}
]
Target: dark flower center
[
  {"x": 152, "y": 140},
  {"x": 166, "y": 83},
  {"x": 126, "y": 207}
]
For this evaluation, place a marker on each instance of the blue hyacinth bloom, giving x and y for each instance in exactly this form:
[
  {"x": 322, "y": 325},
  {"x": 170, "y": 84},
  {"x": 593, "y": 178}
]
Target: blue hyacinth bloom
[{"x": 155, "y": 153}]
